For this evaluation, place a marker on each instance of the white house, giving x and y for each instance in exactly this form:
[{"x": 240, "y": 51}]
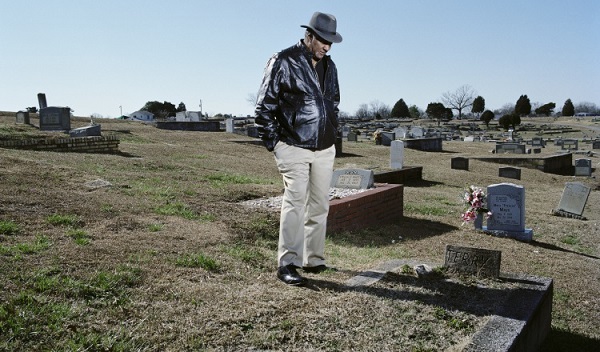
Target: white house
[{"x": 141, "y": 115}]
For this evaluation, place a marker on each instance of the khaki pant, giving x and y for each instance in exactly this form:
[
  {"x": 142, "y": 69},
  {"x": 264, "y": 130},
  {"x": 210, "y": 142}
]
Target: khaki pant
[{"x": 306, "y": 177}]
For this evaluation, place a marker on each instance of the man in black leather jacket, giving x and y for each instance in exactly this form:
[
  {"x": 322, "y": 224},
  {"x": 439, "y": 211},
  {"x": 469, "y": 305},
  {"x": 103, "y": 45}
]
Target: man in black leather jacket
[{"x": 297, "y": 118}]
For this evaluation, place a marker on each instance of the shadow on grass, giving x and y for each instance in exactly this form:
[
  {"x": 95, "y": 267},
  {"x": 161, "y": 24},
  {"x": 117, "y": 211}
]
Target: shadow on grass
[
  {"x": 408, "y": 228},
  {"x": 557, "y": 248},
  {"x": 421, "y": 183},
  {"x": 437, "y": 292},
  {"x": 564, "y": 341}
]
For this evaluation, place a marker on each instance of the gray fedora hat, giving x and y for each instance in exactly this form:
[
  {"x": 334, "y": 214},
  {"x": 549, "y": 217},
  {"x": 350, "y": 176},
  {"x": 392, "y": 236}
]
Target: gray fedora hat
[{"x": 325, "y": 26}]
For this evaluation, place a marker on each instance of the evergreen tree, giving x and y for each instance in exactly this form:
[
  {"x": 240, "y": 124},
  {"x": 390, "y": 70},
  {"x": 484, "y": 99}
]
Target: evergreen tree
[
  {"x": 523, "y": 106},
  {"x": 486, "y": 117},
  {"x": 478, "y": 105},
  {"x": 400, "y": 109},
  {"x": 545, "y": 109},
  {"x": 568, "y": 109}
]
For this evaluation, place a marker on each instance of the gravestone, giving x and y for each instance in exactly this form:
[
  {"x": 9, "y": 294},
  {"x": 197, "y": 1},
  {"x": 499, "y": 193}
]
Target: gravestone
[
  {"x": 459, "y": 163},
  {"x": 538, "y": 142},
  {"x": 396, "y": 154},
  {"x": 506, "y": 201},
  {"x": 229, "y": 128},
  {"x": 515, "y": 148},
  {"x": 573, "y": 199},
  {"x": 353, "y": 179},
  {"x": 416, "y": 132},
  {"x": 583, "y": 167},
  {"x": 92, "y": 130},
  {"x": 42, "y": 100},
  {"x": 475, "y": 261},
  {"x": 537, "y": 150},
  {"x": 352, "y": 137},
  {"x": 387, "y": 138},
  {"x": 23, "y": 117},
  {"x": 399, "y": 132},
  {"x": 510, "y": 172},
  {"x": 570, "y": 144},
  {"x": 345, "y": 131},
  {"x": 596, "y": 144},
  {"x": 469, "y": 139},
  {"x": 55, "y": 118},
  {"x": 252, "y": 131}
]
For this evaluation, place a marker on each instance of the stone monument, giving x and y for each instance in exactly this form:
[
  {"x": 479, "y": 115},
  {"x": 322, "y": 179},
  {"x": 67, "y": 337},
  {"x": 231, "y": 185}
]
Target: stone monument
[{"x": 506, "y": 201}]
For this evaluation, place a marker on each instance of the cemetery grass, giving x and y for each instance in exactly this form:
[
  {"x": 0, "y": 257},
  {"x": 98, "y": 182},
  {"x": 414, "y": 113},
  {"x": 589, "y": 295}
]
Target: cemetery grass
[{"x": 151, "y": 250}]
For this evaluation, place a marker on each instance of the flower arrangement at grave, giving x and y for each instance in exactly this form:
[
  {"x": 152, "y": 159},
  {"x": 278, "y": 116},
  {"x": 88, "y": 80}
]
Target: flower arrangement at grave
[{"x": 475, "y": 200}]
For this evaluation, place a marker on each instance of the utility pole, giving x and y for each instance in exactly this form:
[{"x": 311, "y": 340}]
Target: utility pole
[{"x": 201, "y": 107}]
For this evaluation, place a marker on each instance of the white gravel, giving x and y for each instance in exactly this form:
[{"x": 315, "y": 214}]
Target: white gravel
[{"x": 275, "y": 202}]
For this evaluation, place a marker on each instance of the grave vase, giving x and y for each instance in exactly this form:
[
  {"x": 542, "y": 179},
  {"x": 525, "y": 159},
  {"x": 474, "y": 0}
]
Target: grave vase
[{"x": 478, "y": 223}]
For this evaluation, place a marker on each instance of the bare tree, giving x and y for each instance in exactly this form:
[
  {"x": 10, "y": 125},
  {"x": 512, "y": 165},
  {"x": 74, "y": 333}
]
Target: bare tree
[
  {"x": 251, "y": 99},
  {"x": 461, "y": 98},
  {"x": 363, "y": 112},
  {"x": 379, "y": 109}
]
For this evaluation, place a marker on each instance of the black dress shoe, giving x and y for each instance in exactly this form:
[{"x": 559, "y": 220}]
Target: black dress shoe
[
  {"x": 318, "y": 269},
  {"x": 290, "y": 276}
]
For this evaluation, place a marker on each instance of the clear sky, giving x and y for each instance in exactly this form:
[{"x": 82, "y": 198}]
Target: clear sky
[{"x": 104, "y": 57}]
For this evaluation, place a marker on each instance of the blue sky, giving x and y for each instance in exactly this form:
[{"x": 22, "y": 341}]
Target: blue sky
[{"x": 101, "y": 57}]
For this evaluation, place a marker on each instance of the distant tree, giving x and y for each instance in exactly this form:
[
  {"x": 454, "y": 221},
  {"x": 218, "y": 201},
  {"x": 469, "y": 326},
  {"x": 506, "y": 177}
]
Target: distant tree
[
  {"x": 32, "y": 109},
  {"x": 486, "y": 117},
  {"x": 400, "y": 109},
  {"x": 363, "y": 112},
  {"x": 506, "y": 109},
  {"x": 516, "y": 120},
  {"x": 546, "y": 109},
  {"x": 505, "y": 121},
  {"x": 160, "y": 110},
  {"x": 523, "y": 106},
  {"x": 251, "y": 99},
  {"x": 478, "y": 105},
  {"x": 415, "y": 112},
  {"x": 379, "y": 109},
  {"x": 181, "y": 107},
  {"x": 587, "y": 107},
  {"x": 568, "y": 109},
  {"x": 438, "y": 111},
  {"x": 459, "y": 99}
]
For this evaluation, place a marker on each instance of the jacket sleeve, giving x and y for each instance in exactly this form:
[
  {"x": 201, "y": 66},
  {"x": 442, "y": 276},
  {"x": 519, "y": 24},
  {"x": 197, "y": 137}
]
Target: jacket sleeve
[{"x": 267, "y": 104}]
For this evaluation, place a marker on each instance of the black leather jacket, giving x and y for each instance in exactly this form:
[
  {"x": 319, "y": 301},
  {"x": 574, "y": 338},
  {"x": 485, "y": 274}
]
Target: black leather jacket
[{"x": 291, "y": 106}]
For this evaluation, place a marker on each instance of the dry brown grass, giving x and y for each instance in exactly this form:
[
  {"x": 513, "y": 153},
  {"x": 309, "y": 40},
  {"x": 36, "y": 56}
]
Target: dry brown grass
[{"x": 170, "y": 261}]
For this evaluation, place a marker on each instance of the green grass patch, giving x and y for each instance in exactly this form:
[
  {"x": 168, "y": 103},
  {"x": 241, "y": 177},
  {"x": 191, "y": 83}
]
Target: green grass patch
[
  {"x": 198, "y": 260},
  {"x": 63, "y": 220},
  {"x": 570, "y": 240},
  {"x": 176, "y": 209},
  {"x": 9, "y": 228},
  {"x": 80, "y": 236},
  {"x": 156, "y": 227},
  {"x": 40, "y": 243},
  {"x": 246, "y": 254}
]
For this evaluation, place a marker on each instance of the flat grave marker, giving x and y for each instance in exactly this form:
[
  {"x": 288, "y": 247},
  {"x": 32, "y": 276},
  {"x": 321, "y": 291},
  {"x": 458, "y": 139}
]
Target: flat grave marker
[
  {"x": 353, "y": 179},
  {"x": 475, "y": 261}
]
